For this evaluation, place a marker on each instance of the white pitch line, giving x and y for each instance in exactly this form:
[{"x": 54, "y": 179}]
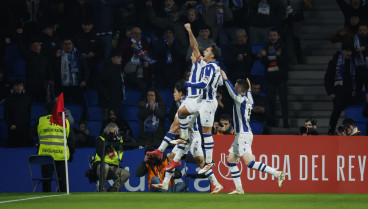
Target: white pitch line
[{"x": 31, "y": 198}]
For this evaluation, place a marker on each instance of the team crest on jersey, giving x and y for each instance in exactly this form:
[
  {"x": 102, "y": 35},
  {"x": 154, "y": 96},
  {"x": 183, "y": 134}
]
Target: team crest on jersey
[{"x": 205, "y": 78}]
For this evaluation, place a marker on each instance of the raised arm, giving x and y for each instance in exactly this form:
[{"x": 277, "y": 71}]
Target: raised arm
[
  {"x": 192, "y": 40},
  {"x": 249, "y": 94},
  {"x": 230, "y": 88}
]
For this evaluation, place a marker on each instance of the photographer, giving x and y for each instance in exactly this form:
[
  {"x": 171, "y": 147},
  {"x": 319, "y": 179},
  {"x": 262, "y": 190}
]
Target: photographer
[
  {"x": 110, "y": 146},
  {"x": 348, "y": 128},
  {"x": 310, "y": 127},
  {"x": 223, "y": 127},
  {"x": 153, "y": 166}
]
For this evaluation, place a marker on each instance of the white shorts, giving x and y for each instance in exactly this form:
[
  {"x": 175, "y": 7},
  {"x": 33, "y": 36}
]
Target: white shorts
[
  {"x": 194, "y": 145},
  {"x": 242, "y": 144},
  {"x": 191, "y": 103},
  {"x": 207, "y": 110}
]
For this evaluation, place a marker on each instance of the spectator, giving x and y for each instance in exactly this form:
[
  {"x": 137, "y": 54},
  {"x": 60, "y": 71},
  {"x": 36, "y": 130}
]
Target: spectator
[
  {"x": 340, "y": 83},
  {"x": 264, "y": 15},
  {"x": 49, "y": 41},
  {"x": 355, "y": 7},
  {"x": 195, "y": 20},
  {"x": 82, "y": 136},
  {"x": 74, "y": 14},
  {"x": 103, "y": 17},
  {"x": 310, "y": 127},
  {"x": 173, "y": 21},
  {"x": 111, "y": 84},
  {"x": 224, "y": 126},
  {"x": 153, "y": 166},
  {"x": 39, "y": 70},
  {"x": 295, "y": 17},
  {"x": 224, "y": 103},
  {"x": 361, "y": 57},
  {"x": 204, "y": 41},
  {"x": 71, "y": 75},
  {"x": 17, "y": 116},
  {"x": 214, "y": 14},
  {"x": 365, "y": 113},
  {"x": 348, "y": 128},
  {"x": 274, "y": 57},
  {"x": 136, "y": 60},
  {"x": 260, "y": 110},
  {"x": 151, "y": 113},
  {"x": 347, "y": 34},
  {"x": 238, "y": 57},
  {"x": 123, "y": 125},
  {"x": 90, "y": 46},
  {"x": 51, "y": 142},
  {"x": 110, "y": 147},
  {"x": 169, "y": 53}
]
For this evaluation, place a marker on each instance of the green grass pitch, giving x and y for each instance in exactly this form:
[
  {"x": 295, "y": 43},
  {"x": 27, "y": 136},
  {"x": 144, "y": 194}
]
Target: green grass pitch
[{"x": 183, "y": 200}]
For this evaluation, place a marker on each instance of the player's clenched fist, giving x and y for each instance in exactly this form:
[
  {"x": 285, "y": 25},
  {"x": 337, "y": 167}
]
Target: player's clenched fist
[{"x": 187, "y": 26}]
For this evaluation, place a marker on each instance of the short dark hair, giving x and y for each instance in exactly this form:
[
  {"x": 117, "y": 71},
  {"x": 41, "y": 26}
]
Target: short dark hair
[
  {"x": 243, "y": 85},
  {"x": 274, "y": 30},
  {"x": 216, "y": 51},
  {"x": 180, "y": 87},
  {"x": 225, "y": 117},
  {"x": 201, "y": 51},
  {"x": 348, "y": 122},
  {"x": 313, "y": 120}
]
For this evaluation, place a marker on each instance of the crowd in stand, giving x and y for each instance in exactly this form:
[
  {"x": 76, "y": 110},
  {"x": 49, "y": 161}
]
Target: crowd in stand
[
  {"x": 347, "y": 72},
  {"x": 112, "y": 46}
]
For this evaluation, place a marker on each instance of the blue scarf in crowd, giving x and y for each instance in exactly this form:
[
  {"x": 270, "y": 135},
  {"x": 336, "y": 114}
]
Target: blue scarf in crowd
[
  {"x": 142, "y": 53},
  {"x": 340, "y": 70},
  {"x": 151, "y": 122},
  {"x": 69, "y": 68},
  {"x": 359, "y": 58}
]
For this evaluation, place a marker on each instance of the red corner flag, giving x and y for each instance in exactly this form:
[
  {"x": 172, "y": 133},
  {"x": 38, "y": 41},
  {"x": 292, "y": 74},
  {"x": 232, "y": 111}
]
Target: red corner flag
[{"x": 57, "y": 112}]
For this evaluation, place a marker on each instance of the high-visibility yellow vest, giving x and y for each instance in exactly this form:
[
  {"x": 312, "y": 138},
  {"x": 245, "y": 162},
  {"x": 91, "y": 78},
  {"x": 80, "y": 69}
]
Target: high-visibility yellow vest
[
  {"x": 109, "y": 159},
  {"x": 51, "y": 138}
]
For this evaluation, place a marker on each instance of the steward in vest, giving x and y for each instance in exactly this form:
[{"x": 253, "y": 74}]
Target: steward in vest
[
  {"x": 51, "y": 142},
  {"x": 109, "y": 148},
  {"x": 153, "y": 167}
]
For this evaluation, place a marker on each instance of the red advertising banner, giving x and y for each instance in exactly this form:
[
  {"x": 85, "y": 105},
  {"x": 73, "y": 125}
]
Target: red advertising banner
[{"x": 312, "y": 164}]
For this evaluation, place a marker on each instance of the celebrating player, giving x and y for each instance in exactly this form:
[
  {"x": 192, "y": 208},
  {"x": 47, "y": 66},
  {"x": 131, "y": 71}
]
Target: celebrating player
[{"x": 242, "y": 145}]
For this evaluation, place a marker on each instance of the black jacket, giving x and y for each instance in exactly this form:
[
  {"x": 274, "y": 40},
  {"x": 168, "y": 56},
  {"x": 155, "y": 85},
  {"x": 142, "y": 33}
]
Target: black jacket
[
  {"x": 238, "y": 69},
  {"x": 17, "y": 110},
  {"x": 110, "y": 92},
  {"x": 330, "y": 77},
  {"x": 281, "y": 74}
]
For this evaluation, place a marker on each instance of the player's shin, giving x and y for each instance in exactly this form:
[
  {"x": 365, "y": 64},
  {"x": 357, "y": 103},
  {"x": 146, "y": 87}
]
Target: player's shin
[
  {"x": 263, "y": 167},
  {"x": 166, "y": 141},
  {"x": 180, "y": 153},
  {"x": 235, "y": 175},
  {"x": 183, "y": 120},
  {"x": 208, "y": 147}
]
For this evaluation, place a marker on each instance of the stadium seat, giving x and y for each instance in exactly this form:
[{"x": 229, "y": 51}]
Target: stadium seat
[
  {"x": 94, "y": 128},
  {"x": 94, "y": 113},
  {"x": 129, "y": 112},
  {"x": 100, "y": 65},
  {"x": 37, "y": 110},
  {"x": 11, "y": 52},
  {"x": 258, "y": 69},
  {"x": 16, "y": 67},
  {"x": 257, "y": 127},
  {"x": 256, "y": 48},
  {"x": 1, "y": 111},
  {"x": 132, "y": 97},
  {"x": 167, "y": 96},
  {"x": 134, "y": 125},
  {"x": 355, "y": 112},
  {"x": 362, "y": 127},
  {"x": 91, "y": 97},
  {"x": 76, "y": 110}
]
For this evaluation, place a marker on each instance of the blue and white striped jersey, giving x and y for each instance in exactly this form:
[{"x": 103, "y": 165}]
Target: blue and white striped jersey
[
  {"x": 243, "y": 105},
  {"x": 195, "y": 76},
  {"x": 210, "y": 79}
]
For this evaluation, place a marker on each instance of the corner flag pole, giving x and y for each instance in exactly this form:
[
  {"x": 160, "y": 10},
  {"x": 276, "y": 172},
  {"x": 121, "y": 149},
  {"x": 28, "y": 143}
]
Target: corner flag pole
[{"x": 66, "y": 156}]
